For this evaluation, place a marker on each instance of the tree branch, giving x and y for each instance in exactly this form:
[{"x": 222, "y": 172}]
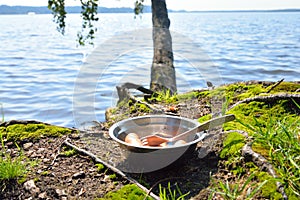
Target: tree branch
[
  {"x": 114, "y": 169},
  {"x": 275, "y": 85}
]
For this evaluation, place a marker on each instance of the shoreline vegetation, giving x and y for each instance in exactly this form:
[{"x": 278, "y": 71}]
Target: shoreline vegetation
[
  {"x": 6, "y": 10},
  {"x": 254, "y": 157}
]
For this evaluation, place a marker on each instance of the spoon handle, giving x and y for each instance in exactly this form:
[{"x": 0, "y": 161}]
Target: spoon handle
[{"x": 205, "y": 126}]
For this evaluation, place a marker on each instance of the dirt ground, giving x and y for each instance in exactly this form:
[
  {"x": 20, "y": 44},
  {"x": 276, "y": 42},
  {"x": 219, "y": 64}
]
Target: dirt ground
[
  {"x": 57, "y": 176},
  {"x": 60, "y": 176}
]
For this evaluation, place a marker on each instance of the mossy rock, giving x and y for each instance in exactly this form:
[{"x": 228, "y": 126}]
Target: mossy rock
[{"x": 19, "y": 132}]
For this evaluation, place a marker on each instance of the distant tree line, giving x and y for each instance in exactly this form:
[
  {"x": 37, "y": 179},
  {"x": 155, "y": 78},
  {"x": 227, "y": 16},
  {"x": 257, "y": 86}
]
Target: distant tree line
[
  {"x": 71, "y": 9},
  {"x": 9, "y": 10}
]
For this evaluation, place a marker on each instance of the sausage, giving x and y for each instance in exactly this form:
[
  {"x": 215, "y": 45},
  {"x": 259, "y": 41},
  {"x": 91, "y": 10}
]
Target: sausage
[
  {"x": 180, "y": 142},
  {"x": 177, "y": 143},
  {"x": 133, "y": 139}
]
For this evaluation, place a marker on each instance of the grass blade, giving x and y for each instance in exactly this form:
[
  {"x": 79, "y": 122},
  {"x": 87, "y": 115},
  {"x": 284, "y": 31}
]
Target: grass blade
[
  {"x": 256, "y": 189},
  {"x": 247, "y": 182},
  {"x": 293, "y": 162},
  {"x": 296, "y": 103}
]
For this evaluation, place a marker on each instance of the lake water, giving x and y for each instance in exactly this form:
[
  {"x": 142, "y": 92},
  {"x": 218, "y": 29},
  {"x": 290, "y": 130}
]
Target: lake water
[{"x": 41, "y": 70}]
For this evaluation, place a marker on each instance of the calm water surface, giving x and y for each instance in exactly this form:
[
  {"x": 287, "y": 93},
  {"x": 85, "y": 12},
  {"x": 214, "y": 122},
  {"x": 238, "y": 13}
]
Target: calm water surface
[{"x": 39, "y": 67}]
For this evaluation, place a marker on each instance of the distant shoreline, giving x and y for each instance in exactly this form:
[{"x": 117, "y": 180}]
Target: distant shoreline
[
  {"x": 231, "y": 11},
  {"x": 6, "y": 10}
]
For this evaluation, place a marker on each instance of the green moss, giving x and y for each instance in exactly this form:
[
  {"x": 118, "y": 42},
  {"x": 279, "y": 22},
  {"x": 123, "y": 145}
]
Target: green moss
[
  {"x": 203, "y": 94},
  {"x": 259, "y": 113},
  {"x": 188, "y": 95},
  {"x": 130, "y": 191},
  {"x": 116, "y": 183},
  {"x": 204, "y": 118},
  {"x": 113, "y": 176},
  {"x": 232, "y": 145},
  {"x": 17, "y": 132},
  {"x": 100, "y": 167},
  {"x": 164, "y": 97},
  {"x": 2, "y": 129},
  {"x": 251, "y": 167},
  {"x": 45, "y": 173},
  {"x": 291, "y": 195},
  {"x": 263, "y": 121},
  {"x": 269, "y": 190},
  {"x": 260, "y": 149},
  {"x": 239, "y": 91},
  {"x": 140, "y": 108},
  {"x": 236, "y": 92},
  {"x": 238, "y": 169},
  {"x": 250, "y": 91},
  {"x": 68, "y": 152},
  {"x": 285, "y": 87},
  {"x": 22, "y": 179}
]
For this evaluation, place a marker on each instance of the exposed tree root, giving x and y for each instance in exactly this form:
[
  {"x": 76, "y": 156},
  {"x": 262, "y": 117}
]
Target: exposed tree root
[
  {"x": 269, "y": 98},
  {"x": 260, "y": 161},
  {"x": 244, "y": 133}
]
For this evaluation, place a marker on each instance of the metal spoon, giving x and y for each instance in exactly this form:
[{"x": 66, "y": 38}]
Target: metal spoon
[{"x": 159, "y": 138}]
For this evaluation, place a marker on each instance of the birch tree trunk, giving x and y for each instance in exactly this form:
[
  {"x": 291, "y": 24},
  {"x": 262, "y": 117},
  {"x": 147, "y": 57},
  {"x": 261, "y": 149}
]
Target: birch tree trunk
[{"x": 162, "y": 71}]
